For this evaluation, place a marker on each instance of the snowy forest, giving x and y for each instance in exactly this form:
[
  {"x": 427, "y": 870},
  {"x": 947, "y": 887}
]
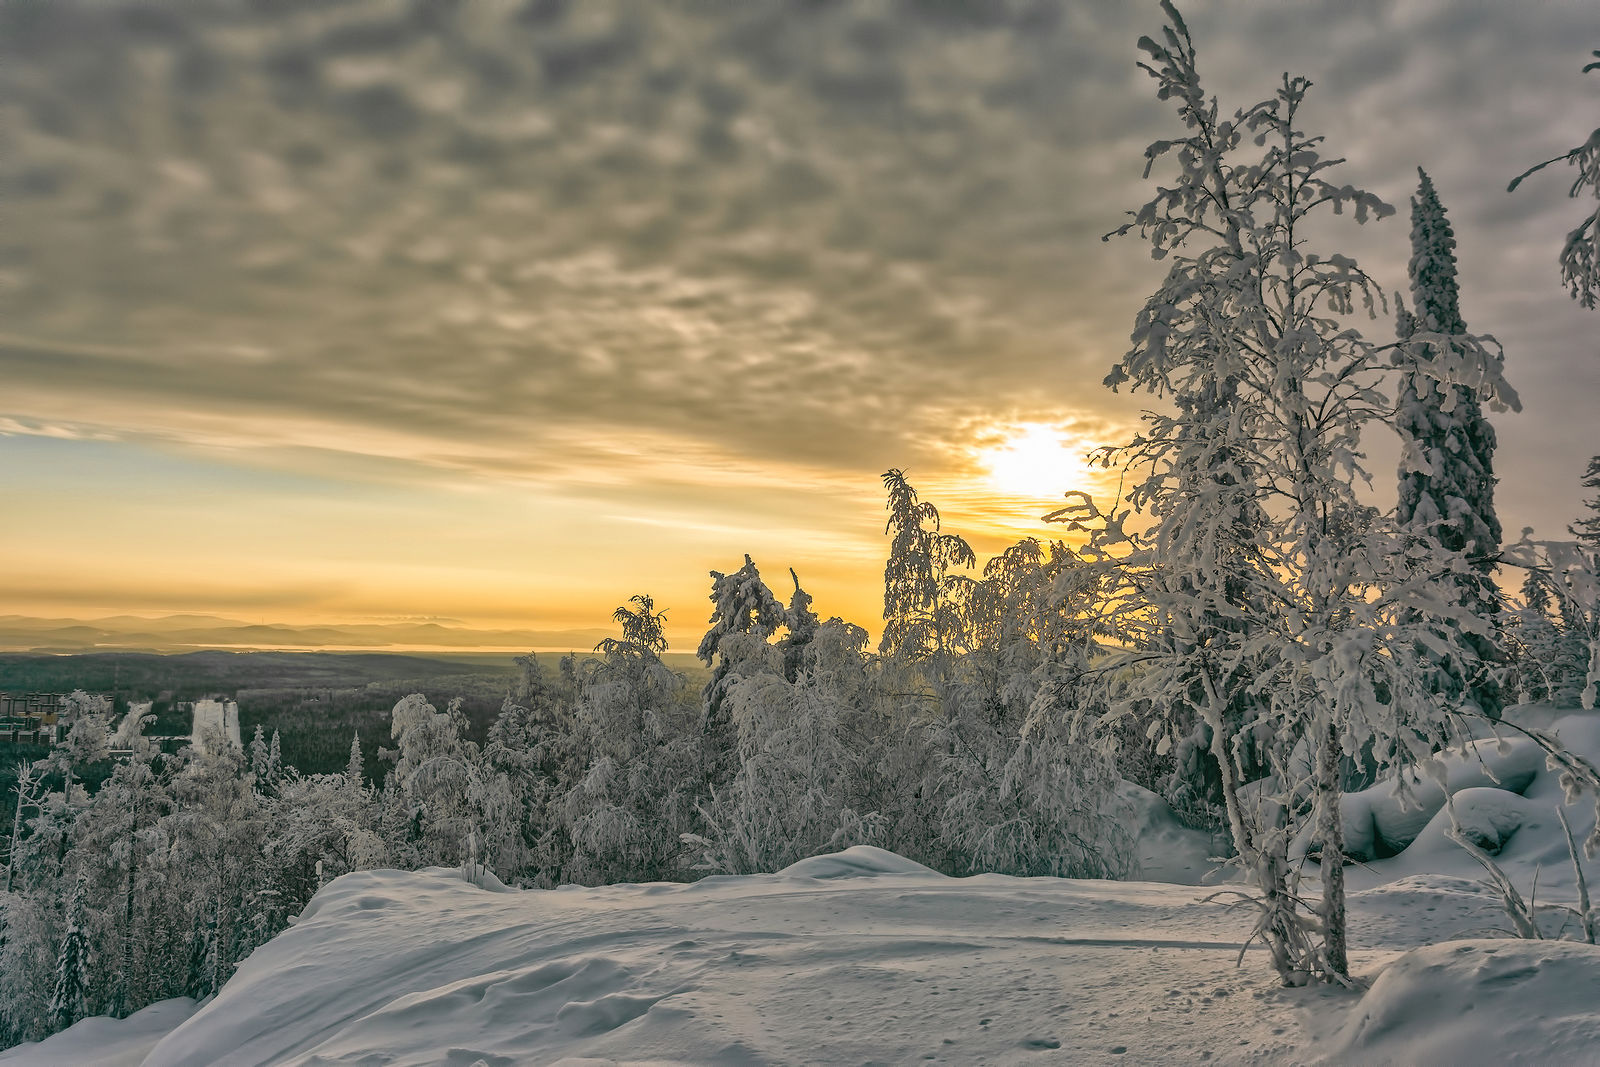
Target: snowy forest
[{"x": 1257, "y": 626}]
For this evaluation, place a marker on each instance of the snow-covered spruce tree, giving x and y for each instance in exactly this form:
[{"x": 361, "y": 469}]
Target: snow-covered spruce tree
[
  {"x": 1537, "y": 644},
  {"x": 1580, "y": 255},
  {"x": 266, "y": 762},
  {"x": 69, "y": 1000},
  {"x": 744, "y": 616},
  {"x": 1587, "y": 528},
  {"x": 1447, "y": 470},
  {"x": 803, "y": 747},
  {"x": 259, "y": 754},
  {"x": 1251, "y": 492},
  {"x": 918, "y": 612},
  {"x": 355, "y": 766},
  {"x": 802, "y": 624},
  {"x": 627, "y": 814},
  {"x": 533, "y": 743},
  {"x": 457, "y": 801}
]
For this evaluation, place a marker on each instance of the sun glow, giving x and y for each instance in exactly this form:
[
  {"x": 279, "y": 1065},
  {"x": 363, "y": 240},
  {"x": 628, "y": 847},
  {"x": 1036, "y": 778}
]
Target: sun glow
[{"x": 1034, "y": 461}]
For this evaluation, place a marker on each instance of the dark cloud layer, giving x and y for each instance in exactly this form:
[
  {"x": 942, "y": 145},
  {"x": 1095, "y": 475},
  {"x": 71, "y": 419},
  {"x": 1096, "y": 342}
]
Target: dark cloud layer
[{"x": 497, "y": 237}]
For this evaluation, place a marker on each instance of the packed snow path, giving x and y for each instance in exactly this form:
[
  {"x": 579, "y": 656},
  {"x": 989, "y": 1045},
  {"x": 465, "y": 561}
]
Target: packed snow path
[{"x": 860, "y": 957}]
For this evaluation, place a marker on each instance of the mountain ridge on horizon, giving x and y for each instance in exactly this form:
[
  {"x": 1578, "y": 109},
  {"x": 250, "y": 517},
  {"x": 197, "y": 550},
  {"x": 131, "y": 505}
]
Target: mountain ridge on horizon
[{"x": 187, "y": 632}]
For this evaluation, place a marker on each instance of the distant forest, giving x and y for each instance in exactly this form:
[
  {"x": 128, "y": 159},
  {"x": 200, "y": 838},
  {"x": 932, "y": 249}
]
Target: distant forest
[{"x": 314, "y": 701}]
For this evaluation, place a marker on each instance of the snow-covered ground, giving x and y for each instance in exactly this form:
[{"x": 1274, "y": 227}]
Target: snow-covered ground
[{"x": 864, "y": 957}]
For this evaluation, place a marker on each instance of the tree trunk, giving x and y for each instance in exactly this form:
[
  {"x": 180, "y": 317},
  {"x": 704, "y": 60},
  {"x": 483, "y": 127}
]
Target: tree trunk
[
  {"x": 125, "y": 996},
  {"x": 1330, "y": 829},
  {"x": 16, "y": 833}
]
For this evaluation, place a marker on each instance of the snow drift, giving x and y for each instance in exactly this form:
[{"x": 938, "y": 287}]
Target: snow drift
[{"x": 1480, "y": 1002}]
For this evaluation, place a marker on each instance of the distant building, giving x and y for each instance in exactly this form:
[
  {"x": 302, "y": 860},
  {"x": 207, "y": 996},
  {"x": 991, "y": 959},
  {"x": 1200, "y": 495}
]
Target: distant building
[
  {"x": 32, "y": 718},
  {"x": 215, "y": 716}
]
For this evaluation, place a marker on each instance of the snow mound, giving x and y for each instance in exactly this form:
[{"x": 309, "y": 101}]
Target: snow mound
[
  {"x": 1479, "y": 1002},
  {"x": 1486, "y": 817},
  {"x": 1168, "y": 851},
  {"x": 1382, "y": 821},
  {"x": 106, "y": 1042},
  {"x": 858, "y": 861},
  {"x": 1514, "y": 820}
]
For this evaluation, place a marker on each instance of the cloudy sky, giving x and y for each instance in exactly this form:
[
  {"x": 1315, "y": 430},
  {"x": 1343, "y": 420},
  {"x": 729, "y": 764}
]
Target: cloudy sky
[{"x": 502, "y": 312}]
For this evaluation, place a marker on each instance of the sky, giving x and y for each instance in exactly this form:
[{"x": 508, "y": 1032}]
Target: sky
[{"x": 503, "y": 312}]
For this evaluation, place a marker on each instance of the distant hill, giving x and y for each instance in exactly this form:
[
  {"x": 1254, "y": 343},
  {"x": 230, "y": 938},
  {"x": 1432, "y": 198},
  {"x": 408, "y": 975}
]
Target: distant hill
[
  {"x": 187, "y": 633},
  {"x": 192, "y": 674},
  {"x": 195, "y": 673}
]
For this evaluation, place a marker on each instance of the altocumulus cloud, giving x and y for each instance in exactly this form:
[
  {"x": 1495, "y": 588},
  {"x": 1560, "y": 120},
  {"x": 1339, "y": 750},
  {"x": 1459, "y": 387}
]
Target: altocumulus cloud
[{"x": 564, "y": 241}]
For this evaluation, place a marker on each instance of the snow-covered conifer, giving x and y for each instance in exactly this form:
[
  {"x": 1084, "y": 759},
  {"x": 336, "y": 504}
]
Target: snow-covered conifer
[
  {"x": 744, "y": 616},
  {"x": 1587, "y": 528},
  {"x": 69, "y": 998},
  {"x": 801, "y": 623},
  {"x": 637, "y": 795},
  {"x": 1251, "y": 487},
  {"x": 354, "y": 768},
  {"x": 258, "y": 753},
  {"x": 1447, "y": 467},
  {"x": 274, "y": 761},
  {"x": 917, "y": 608}
]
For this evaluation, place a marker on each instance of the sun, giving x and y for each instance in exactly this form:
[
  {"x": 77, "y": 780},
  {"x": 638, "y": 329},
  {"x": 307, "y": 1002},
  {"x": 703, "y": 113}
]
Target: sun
[{"x": 1033, "y": 461}]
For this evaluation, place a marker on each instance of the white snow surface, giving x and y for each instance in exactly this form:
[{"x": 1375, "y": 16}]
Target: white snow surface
[
  {"x": 1449, "y": 1004},
  {"x": 103, "y": 1042},
  {"x": 864, "y": 956}
]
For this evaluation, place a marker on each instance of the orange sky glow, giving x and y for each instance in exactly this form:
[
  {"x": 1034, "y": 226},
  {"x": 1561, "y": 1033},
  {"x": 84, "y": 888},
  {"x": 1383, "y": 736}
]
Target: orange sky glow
[{"x": 500, "y": 313}]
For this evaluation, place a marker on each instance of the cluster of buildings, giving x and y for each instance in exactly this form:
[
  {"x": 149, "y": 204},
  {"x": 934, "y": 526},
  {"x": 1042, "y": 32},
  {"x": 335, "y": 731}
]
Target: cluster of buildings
[
  {"x": 31, "y": 718},
  {"x": 40, "y": 719}
]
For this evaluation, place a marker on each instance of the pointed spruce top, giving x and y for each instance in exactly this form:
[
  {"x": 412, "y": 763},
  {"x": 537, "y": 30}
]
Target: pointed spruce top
[{"x": 1434, "y": 291}]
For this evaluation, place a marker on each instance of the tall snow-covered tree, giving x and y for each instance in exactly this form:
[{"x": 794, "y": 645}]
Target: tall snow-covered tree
[
  {"x": 917, "y": 608},
  {"x": 355, "y": 767},
  {"x": 744, "y": 616},
  {"x": 801, "y": 623},
  {"x": 1250, "y": 314},
  {"x": 1580, "y": 254},
  {"x": 637, "y": 796},
  {"x": 69, "y": 999},
  {"x": 1552, "y": 647},
  {"x": 1447, "y": 470},
  {"x": 533, "y": 742}
]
